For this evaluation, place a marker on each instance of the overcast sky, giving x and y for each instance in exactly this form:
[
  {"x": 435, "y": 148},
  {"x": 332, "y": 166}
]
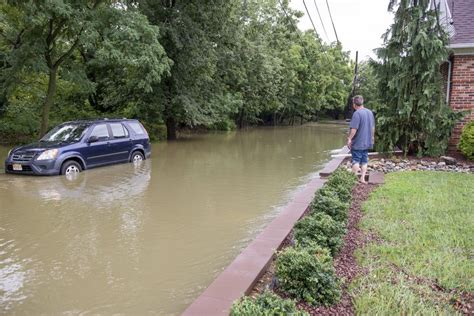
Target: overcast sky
[{"x": 359, "y": 23}]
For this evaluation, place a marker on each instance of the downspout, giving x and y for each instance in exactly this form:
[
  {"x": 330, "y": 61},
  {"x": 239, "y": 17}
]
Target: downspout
[{"x": 448, "y": 88}]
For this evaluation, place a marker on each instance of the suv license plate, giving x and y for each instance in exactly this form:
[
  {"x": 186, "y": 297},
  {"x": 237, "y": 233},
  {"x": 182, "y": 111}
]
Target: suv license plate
[{"x": 17, "y": 167}]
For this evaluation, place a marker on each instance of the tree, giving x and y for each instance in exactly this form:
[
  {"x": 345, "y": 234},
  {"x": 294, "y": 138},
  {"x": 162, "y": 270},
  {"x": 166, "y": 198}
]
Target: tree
[
  {"x": 367, "y": 85},
  {"x": 48, "y": 37},
  {"x": 413, "y": 113},
  {"x": 193, "y": 34},
  {"x": 185, "y": 63}
]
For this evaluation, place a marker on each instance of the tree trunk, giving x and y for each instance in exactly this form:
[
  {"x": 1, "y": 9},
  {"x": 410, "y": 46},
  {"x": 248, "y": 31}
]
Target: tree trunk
[
  {"x": 171, "y": 128},
  {"x": 48, "y": 101},
  {"x": 241, "y": 118}
]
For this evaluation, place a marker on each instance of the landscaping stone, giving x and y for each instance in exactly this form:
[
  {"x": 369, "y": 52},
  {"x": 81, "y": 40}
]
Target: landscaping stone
[
  {"x": 413, "y": 164},
  {"x": 448, "y": 160}
]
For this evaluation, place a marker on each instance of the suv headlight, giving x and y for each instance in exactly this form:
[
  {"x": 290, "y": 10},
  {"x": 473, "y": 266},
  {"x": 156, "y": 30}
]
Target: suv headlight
[
  {"x": 9, "y": 153},
  {"x": 48, "y": 154}
]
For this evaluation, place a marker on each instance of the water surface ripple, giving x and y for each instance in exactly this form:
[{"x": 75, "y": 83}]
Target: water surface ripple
[{"x": 148, "y": 239}]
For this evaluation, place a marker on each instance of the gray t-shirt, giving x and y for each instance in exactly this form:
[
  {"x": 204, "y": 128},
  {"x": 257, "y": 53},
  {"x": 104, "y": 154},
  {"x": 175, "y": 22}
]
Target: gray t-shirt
[{"x": 362, "y": 120}]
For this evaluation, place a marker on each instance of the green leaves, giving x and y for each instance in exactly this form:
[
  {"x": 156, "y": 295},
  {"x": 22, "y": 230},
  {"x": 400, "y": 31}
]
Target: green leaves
[
  {"x": 466, "y": 143},
  {"x": 413, "y": 113},
  {"x": 110, "y": 52},
  {"x": 265, "y": 304},
  {"x": 307, "y": 273},
  {"x": 322, "y": 229},
  {"x": 183, "y": 63}
]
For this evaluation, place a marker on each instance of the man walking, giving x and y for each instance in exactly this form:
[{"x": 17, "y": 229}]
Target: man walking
[{"x": 361, "y": 136}]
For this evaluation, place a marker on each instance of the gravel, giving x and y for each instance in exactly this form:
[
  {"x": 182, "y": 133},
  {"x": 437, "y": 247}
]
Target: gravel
[{"x": 447, "y": 164}]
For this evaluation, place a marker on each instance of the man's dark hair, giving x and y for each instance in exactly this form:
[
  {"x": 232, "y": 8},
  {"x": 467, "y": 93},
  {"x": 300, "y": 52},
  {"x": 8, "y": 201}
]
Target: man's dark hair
[{"x": 358, "y": 100}]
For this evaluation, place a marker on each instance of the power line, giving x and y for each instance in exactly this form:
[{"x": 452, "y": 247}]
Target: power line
[
  {"x": 324, "y": 52},
  {"x": 322, "y": 23},
  {"x": 288, "y": 17},
  {"x": 330, "y": 15},
  {"x": 309, "y": 15}
]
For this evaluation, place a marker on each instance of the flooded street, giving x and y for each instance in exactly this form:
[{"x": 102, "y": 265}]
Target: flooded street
[{"x": 148, "y": 239}]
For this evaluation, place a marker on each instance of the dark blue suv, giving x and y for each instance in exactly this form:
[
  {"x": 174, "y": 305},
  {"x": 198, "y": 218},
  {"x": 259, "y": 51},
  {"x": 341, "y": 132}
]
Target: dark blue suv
[{"x": 75, "y": 146}]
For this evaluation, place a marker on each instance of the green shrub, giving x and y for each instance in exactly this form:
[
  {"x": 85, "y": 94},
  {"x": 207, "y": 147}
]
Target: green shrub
[
  {"x": 343, "y": 193},
  {"x": 226, "y": 124},
  {"x": 321, "y": 229},
  {"x": 327, "y": 201},
  {"x": 342, "y": 178},
  {"x": 307, "y": 273},
  {"x": 265, "y": 304},
  {"x": 466, "y": 143},
  {"x": 155, "y": 131}
]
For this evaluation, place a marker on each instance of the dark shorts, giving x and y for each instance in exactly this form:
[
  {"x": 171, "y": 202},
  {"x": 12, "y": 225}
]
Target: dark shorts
[{"x": 360, "y": 156}]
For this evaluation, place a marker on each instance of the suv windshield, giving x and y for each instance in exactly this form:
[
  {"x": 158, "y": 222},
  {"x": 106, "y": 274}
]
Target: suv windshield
[{"x": 71, "y": 132}]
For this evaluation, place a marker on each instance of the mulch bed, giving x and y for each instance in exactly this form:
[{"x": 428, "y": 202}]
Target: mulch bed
[{"x": 345, "y": 262}]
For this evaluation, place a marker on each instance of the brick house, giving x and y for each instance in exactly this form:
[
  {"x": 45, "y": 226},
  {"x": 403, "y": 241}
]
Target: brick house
[{"x": 458, "y": 18}]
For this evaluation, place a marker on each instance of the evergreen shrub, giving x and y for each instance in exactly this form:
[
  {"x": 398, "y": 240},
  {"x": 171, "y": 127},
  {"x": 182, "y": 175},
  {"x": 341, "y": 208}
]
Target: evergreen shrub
[
  {"x": 466, "y": 143},
  {"x": 321, "y": 229},
  {"x": 342, "y": 178},
  {"x": 155, "y": 131},
  {"x": 266, "y": 303},
  {"x": 343, "y": 193},
  {"x": 307, "y": 273},
  {"x": 327, "y": 201}
]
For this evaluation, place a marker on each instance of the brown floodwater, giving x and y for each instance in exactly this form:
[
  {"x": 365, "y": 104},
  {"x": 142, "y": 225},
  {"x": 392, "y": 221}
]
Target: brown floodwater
[{"x": 148, "y": 239}]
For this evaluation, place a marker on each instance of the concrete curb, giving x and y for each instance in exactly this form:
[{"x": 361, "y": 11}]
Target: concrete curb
[{"x": 240, "y": 276}]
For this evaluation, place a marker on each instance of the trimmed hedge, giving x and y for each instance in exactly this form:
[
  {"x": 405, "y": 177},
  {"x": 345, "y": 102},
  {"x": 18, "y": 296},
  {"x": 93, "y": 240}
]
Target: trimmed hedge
[
  {"x": 266, "y": 303},
  {"x": 335, "y": 197},
  {"x": 342, "y": 177},
  {"x": 321, "y": 229},
  {"x": 341, "y": 182},
  {"x": 343, "y": 194},
  {"x": 327, "y": 201},
  {"x": 307, "y": 273}
]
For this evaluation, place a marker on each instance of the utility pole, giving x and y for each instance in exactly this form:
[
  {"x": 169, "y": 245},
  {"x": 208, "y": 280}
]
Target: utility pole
[{"x": 348, "y": 112}]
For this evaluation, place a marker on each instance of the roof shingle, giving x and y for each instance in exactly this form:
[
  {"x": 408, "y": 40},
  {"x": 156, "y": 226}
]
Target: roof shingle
[{"x": 463, "y": 16}]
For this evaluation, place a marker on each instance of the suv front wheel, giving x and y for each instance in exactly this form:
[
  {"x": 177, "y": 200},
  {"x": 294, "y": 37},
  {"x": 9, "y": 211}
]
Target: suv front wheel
[{"x": 70, "y": 167}]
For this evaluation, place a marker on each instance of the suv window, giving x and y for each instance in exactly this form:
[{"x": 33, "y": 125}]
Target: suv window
[
  {"x": 136, "y": 127},
  {"x": 118, "y": 131},
  {"x": 70, "y": 132},
  {"x": 101, "y": 132}
]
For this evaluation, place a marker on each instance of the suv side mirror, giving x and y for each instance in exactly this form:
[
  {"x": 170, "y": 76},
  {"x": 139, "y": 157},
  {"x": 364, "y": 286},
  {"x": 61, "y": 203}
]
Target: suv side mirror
[{"x": 93, "y": 139}]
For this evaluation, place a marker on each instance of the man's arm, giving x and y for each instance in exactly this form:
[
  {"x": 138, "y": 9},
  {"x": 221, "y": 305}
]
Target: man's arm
[{"x": 350, "y": 137}]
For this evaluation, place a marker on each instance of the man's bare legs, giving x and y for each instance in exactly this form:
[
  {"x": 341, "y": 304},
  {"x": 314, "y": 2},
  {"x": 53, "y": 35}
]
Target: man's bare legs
[
  {"x": 363, "y": 168},
  {"x": 363, "y": 173},
  {"x": 355, "y": 168}
]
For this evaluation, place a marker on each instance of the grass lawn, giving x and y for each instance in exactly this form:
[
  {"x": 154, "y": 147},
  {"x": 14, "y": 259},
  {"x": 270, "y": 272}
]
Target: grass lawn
[{"x": 426, "y": 223}]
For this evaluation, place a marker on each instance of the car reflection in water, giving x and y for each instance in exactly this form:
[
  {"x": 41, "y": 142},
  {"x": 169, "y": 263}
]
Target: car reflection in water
[
  {"x": 98, "y": 186},
  {"x": 104, "y": 198}
]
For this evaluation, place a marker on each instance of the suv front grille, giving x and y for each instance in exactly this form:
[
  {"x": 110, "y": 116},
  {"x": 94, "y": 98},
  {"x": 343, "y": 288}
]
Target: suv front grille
[{"x": 23, "y": 156}]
